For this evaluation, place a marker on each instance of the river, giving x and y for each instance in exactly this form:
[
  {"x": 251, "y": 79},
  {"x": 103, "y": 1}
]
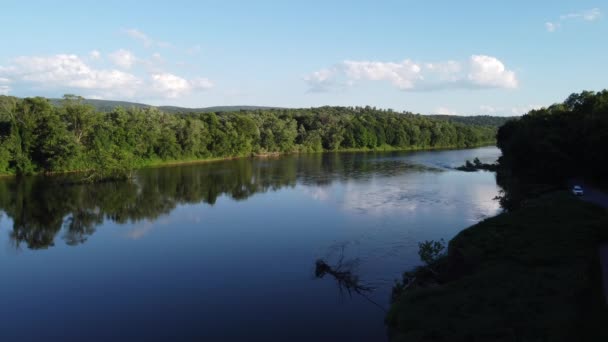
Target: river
[{"x": 226, "y": 251}]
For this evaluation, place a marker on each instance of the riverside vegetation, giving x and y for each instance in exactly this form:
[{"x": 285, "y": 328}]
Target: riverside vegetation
[
  {"x": 39, "y": 137},
  {"x": 531, "y": 273}
]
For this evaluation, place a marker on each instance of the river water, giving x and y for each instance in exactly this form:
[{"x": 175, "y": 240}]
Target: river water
[{"x": 226, "y": 251}]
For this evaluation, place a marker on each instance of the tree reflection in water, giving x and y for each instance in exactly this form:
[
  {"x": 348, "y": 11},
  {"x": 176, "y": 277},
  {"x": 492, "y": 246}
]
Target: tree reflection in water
[{"x": 41, "y": 207}]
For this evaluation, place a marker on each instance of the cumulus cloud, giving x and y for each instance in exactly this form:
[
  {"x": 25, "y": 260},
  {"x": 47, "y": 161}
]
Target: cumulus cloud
[
  {"x": 321, "y": 80},
  {"x": 95, "y": 54},
  {"x": 174, "y": 86},
  {"x": 517, "y": 110},
  {"x": 551, "y": 27},
  {"x": 4, "y": 87},
  {"x": 67, "y": 71},
  {"x": 445, "y": 111},
  {"x": 486, "y": 71},
  {"x": 123, "y": 58},
  {"x": 479, "y": 71},
  {"x": 521, "y": 110},
  {"x": 70, "y": 73},
  {"x": 402, "y": 75},
  {"x": 146, "y": 40},
  {"x": 587, "y": 15}
]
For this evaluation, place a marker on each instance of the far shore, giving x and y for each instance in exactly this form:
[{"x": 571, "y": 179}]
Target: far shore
[{"x": 167, "y": 163}]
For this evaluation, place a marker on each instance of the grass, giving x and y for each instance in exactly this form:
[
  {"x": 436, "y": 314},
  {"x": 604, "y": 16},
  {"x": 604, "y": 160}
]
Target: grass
[{"x": 528, "y": 275}]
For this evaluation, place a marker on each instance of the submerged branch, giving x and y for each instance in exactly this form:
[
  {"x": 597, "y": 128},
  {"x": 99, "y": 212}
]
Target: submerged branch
[{"x": 346, "y": 279}]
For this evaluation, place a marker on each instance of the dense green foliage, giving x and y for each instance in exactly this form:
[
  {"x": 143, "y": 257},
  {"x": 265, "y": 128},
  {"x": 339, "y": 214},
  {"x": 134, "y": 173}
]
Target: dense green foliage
[
  {"x": 528, "y": 275},
  {"x": 479, "y": 120},
  {"x": 565, "y": 140},
  {"x": 38, "y": 137}
]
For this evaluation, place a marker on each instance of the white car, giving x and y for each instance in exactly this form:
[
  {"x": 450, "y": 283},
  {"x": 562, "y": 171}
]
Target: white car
[{"x": 577, "y": 190}]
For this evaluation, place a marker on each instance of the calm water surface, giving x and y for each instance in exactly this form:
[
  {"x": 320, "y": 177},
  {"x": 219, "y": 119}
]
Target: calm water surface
[{"x": 226, "y": 251}]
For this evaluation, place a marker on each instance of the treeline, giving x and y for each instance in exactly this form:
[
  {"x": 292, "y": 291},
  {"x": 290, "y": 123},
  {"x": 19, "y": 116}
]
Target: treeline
[
  {"x": 553, "y": 144},
  {"x": 479, "y": 120},
  {"x": 37, "y": 137}
]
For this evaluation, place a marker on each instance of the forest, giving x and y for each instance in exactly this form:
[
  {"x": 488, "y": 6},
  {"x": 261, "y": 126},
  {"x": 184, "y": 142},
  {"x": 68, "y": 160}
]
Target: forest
[
  {"x": 553, "y": 144},
  {"x": 531, "y": 273},
  {"x": 480, "y": 120},
  {"x": 39, "y": 137}
]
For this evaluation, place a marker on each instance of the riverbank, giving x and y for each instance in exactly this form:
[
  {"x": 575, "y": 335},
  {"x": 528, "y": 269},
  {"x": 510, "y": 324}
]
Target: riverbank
[
  {"x": 527, "y": 275},
  {"x": 161, "y": 163}
]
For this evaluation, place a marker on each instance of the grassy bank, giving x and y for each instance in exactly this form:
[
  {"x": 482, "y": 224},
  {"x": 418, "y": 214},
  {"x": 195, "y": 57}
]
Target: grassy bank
[
  {"x": 528, "y": 275},
  {"x": 172, "y": 162}
]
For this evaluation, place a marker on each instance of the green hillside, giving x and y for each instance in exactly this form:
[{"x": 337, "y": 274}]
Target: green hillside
[{"x": 109, "y": 105}]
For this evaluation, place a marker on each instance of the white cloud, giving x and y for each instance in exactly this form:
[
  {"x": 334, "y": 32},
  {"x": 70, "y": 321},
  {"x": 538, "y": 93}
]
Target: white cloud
[
  {"x": 69, "y": 73},
  {"x": 154, "y": 64},
  {"x": 145, "y": 39},
  {"x": 445, "y": 111},
  {"x": 95, "y": 54},
  {"x": 65, "y": 70},
  {"x": 202, "y": 83},
  {"x": 587, "y": 15},
  {"x": 487, "y": 71},
  {"x": 123, "y": 58},
  {"x": 551, "y": 27},
  {"x": 517, "y": 110},
  {"x": 174, "y": 86},
  {"x": 479, "y": 71},
  {"x": 321, "y": 80},
  {"x": 521, "y": 110},
  {"x": 402, "y": 75},
  {"x": 488, "y": 109}
]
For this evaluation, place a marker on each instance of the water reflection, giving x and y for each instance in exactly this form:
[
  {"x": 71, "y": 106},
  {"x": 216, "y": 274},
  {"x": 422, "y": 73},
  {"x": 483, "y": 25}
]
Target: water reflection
[
  {"x": 190, "y": 251},
  {"x": 41, "y": 207}
]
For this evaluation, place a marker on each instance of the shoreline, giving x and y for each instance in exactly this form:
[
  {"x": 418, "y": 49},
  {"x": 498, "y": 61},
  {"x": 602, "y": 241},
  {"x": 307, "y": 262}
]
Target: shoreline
[
  {"x": 493, "y": 271},
  {"x": 157, "y": 163}
]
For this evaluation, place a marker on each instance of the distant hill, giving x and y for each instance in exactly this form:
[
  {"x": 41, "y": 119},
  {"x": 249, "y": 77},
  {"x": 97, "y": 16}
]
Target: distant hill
[
  {"x": 481, "y": 120},
  {"x": 109, "y": 105},
  {"x": 174, "y": 109},
  {"x": 106, "y": 105}
]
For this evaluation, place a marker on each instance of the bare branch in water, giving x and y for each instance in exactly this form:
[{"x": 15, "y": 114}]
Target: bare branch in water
[
  {"x": 345, "y": 277},
  {"x": 347, "y": 281}
]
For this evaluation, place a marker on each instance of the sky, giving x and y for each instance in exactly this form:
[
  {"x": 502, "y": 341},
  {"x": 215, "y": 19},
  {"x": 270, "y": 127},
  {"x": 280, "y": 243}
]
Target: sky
[{"x": 447, "y": 57}]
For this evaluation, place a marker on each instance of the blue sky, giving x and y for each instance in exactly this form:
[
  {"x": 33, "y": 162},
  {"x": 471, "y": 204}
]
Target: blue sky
[{"x": 465, "y": 57}]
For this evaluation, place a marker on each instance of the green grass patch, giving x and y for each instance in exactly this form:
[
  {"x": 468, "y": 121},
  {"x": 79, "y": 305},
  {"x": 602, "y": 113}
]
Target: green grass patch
[{"x": 528, "y": 275}]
